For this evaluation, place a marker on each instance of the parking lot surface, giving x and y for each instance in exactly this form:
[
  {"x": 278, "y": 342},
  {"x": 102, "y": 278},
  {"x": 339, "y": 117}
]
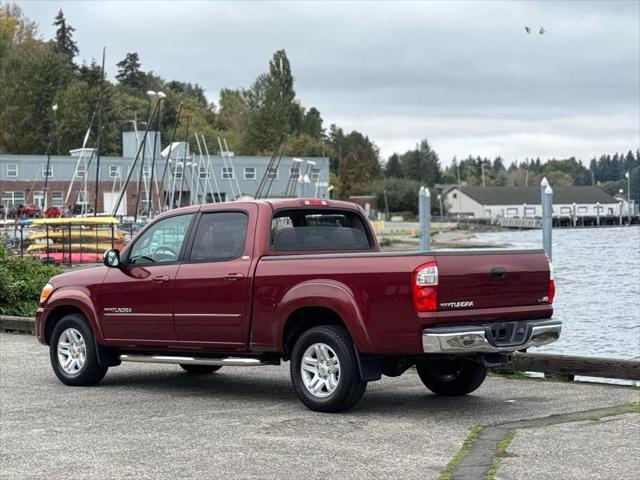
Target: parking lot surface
[{"x": 156, "y": 422}]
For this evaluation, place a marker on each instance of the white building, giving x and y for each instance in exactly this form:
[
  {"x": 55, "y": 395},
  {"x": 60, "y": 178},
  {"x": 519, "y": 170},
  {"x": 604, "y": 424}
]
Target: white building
[{"x": 511, "y": 202}]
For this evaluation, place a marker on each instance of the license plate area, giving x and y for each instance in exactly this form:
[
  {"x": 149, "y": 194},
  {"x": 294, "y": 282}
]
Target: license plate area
[{"x": 507, "y": 333}]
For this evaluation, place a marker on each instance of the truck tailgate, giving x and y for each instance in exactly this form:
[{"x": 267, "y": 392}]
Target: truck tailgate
[{"x": 492, "y": 279}]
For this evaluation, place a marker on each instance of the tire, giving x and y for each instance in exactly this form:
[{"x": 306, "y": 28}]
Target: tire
[
  {"x": 73, "y": 331},
  {"x": 200, "y": 369},
  {"x": 334, "y": 374},
  {"x": 451, "y": 378}
]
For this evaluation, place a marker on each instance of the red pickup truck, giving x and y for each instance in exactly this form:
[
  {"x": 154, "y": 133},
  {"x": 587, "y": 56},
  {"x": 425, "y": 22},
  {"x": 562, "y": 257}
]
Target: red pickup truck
[{"x": 254, "y": 283}]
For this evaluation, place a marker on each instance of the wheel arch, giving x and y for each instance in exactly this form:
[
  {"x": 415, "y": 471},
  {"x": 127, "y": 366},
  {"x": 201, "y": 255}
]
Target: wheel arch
[
  {"x": 319, "y": 302},
  {"x": 66, "y": 301}
]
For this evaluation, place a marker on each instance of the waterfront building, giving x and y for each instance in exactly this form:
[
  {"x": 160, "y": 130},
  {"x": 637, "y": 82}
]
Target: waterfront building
[
  {"x": 523, "y": 202},
  {"x": 69, "y": 182}
]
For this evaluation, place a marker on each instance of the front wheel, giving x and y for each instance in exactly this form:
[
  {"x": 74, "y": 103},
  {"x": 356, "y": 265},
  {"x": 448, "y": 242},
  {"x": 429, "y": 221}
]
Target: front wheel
[
  {"x": 451, "y": 378},
  {"x": 73, "y": 352},
  {"x": 324, "y": 369}
]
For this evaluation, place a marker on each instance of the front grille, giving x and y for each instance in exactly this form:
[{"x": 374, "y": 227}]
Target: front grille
[{"x": 507, "y": 333}]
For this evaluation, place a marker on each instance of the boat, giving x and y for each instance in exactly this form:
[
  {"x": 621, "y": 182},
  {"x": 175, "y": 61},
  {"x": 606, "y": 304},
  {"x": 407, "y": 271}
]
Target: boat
[
  {"x": 73, "y": 247},
  {"x": 80, "y": 235},
  {"x": 74, "y": 221},
  {"x": 66, "y": 258}
]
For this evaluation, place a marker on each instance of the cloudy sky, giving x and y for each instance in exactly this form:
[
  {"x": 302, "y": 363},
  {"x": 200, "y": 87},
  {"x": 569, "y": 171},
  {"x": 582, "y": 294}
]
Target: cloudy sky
[{"x": 465, "y": 75}]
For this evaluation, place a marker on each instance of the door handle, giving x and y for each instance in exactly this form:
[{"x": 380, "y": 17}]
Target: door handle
[
  {"x": 160, "y": 279},
  {"x": 232, "y": 277},
  {"x": 498, "y": 273}
]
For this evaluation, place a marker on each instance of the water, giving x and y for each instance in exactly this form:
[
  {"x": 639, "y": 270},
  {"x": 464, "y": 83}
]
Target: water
[{"x": 597, "y": 272}]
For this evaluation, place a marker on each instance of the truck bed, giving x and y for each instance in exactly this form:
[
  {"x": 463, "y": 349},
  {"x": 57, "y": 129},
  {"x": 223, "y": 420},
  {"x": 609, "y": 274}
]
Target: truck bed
[{"x": 484, "y": 285}]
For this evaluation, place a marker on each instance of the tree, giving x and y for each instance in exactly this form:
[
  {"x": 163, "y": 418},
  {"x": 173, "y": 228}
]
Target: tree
[
  {"x": 393, "y": 169},
  {"x": 92, "y": 73},
  {"x": 64, "y": 37},
  {"x": 312, "y": 123},
  {"x": 272, "y": 109},
  {"x": 422, "y": 164},
  {"x": 232, "y": 114},
  {"x": 30, "y": 76},
  {"x": 304, "y": 145},
  {"x": 15, "y": 28},
  {"x": 129, "y": 73},
  {"x": 401, "y": 194},
  {"x": 360, "y": 165},
  {"x": 430, "y": 172}
]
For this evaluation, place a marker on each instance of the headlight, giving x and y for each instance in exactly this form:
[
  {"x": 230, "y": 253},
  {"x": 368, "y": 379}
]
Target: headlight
[{"x": 46, "y": 291}]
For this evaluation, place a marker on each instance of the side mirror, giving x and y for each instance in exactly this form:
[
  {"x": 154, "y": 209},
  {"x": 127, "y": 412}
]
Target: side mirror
[{"x": 112, "y": 258}]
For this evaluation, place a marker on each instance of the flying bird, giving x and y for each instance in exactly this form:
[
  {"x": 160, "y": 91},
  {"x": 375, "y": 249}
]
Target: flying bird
[
  {"x": 542, "y": 30},
  {"x": 527, "y": 29}
]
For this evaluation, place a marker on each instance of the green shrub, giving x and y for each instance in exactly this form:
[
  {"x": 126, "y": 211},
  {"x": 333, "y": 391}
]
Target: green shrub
[{"x": 21, "y": 280}]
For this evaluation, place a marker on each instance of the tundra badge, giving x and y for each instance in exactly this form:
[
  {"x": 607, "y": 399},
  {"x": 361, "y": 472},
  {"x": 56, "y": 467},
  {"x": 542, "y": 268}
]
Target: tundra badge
[
  {"x": 460, "y": 304},
  {"x": 117, "y": 310}
]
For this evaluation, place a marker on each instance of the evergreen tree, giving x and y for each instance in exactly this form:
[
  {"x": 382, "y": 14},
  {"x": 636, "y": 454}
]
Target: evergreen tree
[
  {"x": 129, "y": 73},
  {"x": 393, "y": 169},
  {"x": 312, "y": 123},
  {"x": 272, "y": 109},
  {"x": 430, "y": 172},
  {"x": 64, "y": 37},
  {"x": 92, "y": 73}
]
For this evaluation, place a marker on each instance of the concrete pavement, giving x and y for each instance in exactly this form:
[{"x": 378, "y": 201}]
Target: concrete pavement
[{"x": 155, "y": 421}]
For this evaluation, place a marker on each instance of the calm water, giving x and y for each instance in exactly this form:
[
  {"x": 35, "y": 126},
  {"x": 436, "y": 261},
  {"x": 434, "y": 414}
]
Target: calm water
[{"x": 597, "y": 273}]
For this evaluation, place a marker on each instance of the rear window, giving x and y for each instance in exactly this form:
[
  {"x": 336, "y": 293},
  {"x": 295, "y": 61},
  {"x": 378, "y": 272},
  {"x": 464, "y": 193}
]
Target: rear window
[{"x": 312, "y": 230}]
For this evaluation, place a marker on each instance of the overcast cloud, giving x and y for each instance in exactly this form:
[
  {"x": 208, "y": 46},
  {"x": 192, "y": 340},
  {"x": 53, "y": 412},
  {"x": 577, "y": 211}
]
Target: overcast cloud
[{"x": 463, "y": 74}]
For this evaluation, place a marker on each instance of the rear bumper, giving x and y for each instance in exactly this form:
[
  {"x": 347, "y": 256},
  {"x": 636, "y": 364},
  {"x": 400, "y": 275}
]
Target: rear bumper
[{"x": 491, "y": 337}]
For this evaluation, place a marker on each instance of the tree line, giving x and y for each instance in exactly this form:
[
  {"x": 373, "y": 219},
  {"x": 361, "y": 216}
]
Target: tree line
[{"x": 37, "y": 73}]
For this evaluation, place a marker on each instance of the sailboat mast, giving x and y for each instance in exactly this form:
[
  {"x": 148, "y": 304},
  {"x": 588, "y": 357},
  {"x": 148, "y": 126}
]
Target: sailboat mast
[{"x": 99, "y": 139}]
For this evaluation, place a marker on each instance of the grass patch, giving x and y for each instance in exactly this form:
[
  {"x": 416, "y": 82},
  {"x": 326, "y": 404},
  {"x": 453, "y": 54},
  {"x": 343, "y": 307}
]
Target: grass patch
[
  {"x": 501, "y": 448},
  {"x": 460, "y": 454}
]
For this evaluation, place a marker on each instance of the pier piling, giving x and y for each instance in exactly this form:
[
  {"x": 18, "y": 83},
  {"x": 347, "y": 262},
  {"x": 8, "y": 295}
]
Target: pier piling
[{"x": 424, "y": 212}]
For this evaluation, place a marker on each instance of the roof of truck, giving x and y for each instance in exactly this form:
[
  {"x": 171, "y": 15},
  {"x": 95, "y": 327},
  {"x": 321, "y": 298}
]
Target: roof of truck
[{"x": 274, "y": 203}]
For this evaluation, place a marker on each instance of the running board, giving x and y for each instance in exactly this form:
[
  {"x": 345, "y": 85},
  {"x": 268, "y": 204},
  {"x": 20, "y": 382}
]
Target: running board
[{"x": 229, "y": 361}]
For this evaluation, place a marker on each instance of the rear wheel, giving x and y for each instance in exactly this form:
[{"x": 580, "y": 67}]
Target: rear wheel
[
  {"x": 324, "y": 369},
  {"x": 451, "y": 377},
  {"x": 73, "y": 352},
  {"x": 200, "y": 369}
]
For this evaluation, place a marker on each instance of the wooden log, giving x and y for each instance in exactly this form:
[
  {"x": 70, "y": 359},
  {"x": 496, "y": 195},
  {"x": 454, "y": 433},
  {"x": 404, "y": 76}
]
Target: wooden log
[{"x": 566, "y": 366}]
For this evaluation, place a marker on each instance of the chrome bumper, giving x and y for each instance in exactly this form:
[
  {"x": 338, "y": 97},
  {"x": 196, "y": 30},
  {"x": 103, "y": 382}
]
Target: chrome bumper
[{"x": 481, "y": 338}]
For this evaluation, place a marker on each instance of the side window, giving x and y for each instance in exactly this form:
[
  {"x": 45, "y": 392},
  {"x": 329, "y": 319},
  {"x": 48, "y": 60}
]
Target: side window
[
  {"x": 162, "y": 242},
  {"x": 219, "y": 236}
]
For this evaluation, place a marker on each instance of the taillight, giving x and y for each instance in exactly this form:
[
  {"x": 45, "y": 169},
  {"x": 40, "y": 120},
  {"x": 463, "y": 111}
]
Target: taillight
[
  {"x": 552, "y": 284},
  {"x": 425, "y": 287}
]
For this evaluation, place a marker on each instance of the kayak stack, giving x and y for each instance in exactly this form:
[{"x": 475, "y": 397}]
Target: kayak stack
[{"x": 74, "y": 240}]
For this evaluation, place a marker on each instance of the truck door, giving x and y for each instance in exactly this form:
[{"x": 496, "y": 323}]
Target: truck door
[
  {"x": 212, "y": 287},
  {"x": 137, "y": 300}
]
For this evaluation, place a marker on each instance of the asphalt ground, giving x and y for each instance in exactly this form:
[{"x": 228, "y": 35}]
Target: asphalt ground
[{"x": 157, "y": 422}]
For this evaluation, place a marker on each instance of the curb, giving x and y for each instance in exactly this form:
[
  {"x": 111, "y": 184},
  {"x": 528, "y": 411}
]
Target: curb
[{"x": 21, "y": 324}]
